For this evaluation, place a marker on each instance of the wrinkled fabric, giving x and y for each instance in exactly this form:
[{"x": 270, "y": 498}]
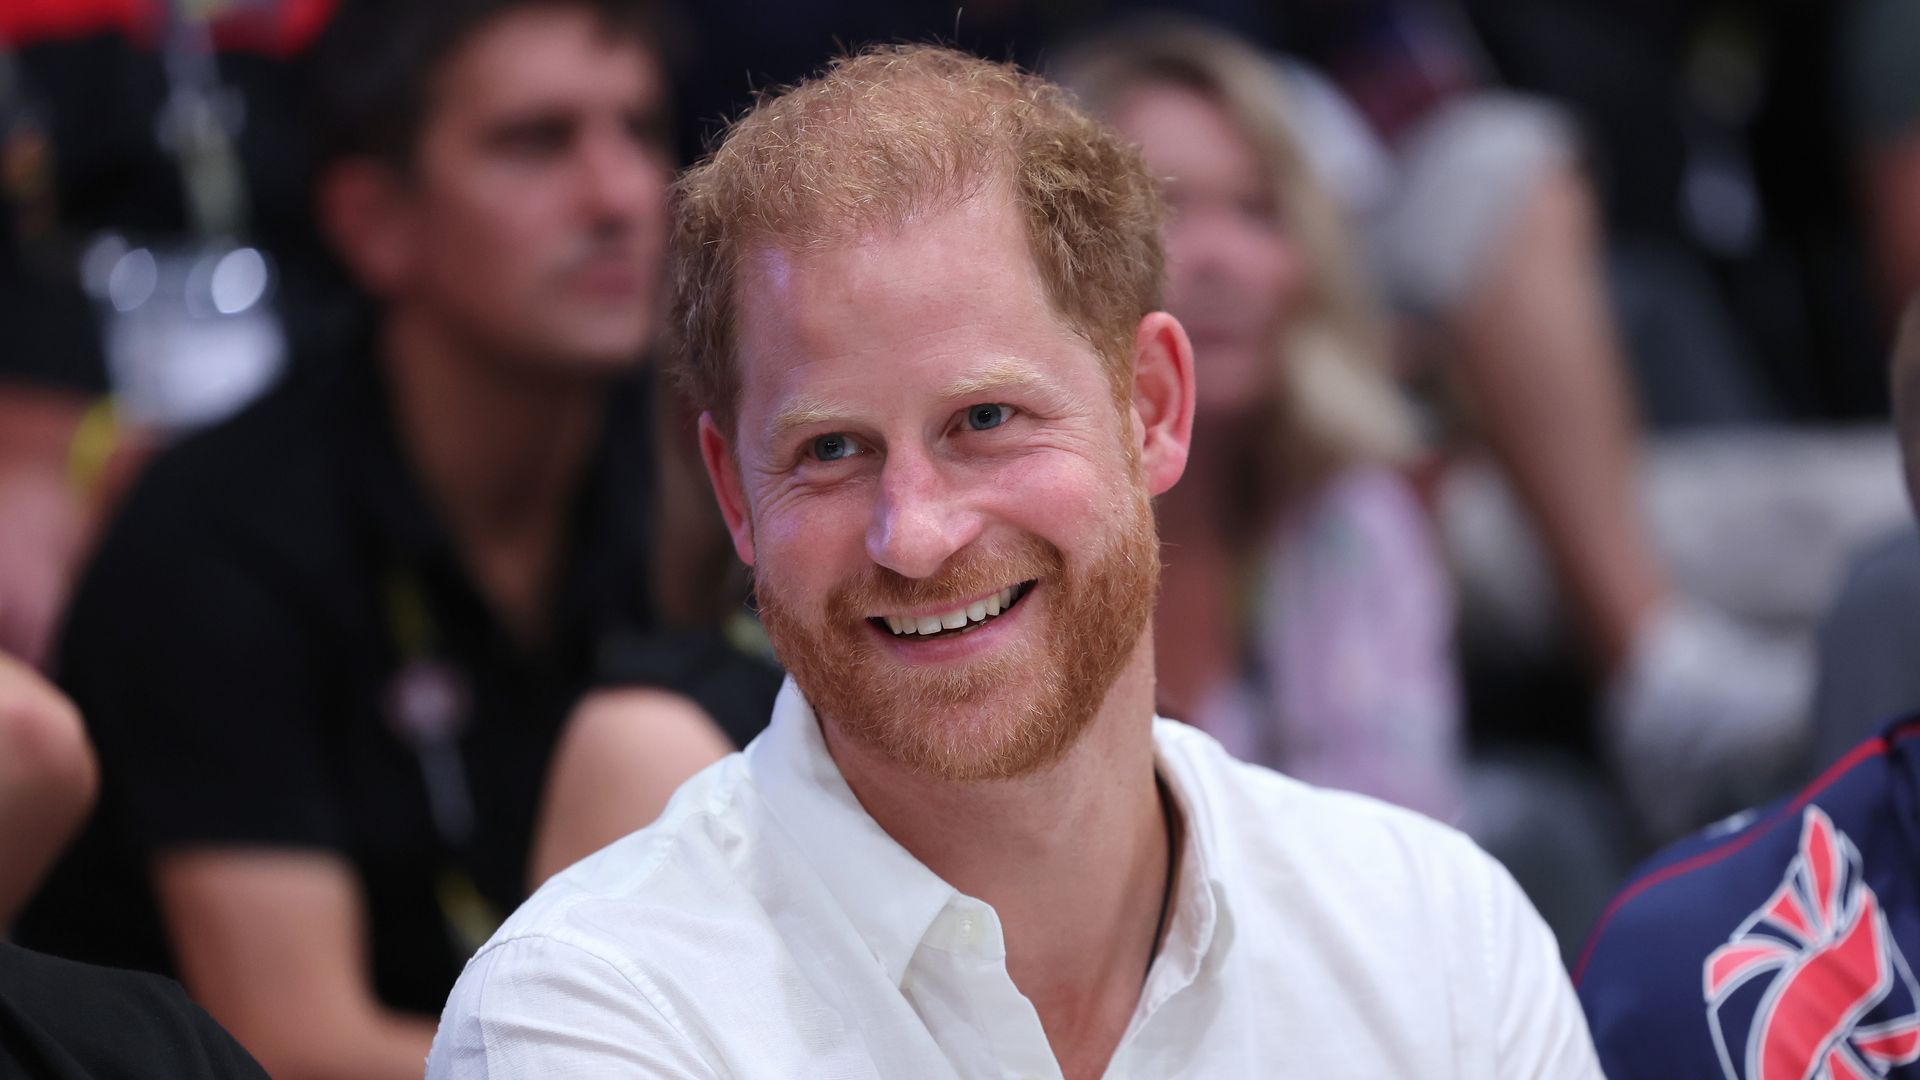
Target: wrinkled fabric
[{"x": 766, "y": 926}]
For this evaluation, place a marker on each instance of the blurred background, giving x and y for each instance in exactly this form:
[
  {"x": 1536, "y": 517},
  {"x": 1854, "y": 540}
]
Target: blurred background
[{"x": 1543, "y": 479}]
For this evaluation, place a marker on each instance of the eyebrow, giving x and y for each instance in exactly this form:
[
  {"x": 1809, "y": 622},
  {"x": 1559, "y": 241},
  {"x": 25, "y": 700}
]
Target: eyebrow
[
  {"x": 998, "y": 378},
  {"x": 805, "y": 412}
]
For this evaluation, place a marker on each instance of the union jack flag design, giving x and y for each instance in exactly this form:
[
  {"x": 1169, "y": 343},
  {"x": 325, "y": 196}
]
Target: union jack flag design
[{"x": 1812, "y": 986}]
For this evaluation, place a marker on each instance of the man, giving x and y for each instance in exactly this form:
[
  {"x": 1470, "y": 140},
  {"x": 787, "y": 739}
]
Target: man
[
  {"x": 327, "y": 651},
  {"x": 1780, "y": 942},
  {"x": 917, "y": 299}
]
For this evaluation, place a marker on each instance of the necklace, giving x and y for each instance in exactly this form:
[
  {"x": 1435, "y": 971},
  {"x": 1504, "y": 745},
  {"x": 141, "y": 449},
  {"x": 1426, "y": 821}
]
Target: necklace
[{"x": 1166, "y": 887}]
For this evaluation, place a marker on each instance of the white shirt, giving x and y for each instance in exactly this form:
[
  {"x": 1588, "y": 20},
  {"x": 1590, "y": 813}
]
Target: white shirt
[{"x": 766, "y": 927}]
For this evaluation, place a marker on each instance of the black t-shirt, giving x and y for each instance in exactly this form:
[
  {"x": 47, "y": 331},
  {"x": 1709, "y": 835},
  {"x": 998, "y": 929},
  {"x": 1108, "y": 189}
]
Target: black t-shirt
[
  {"x": 276, "y": 645},
  {"x": 65, "y": 1021}
]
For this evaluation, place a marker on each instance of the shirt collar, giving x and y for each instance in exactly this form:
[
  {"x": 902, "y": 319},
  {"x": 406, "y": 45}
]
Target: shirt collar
[
  {"x": 893, "y": 899},
  {"x": 1201, "y": 928},
  {"x": 890, "y": 896}
]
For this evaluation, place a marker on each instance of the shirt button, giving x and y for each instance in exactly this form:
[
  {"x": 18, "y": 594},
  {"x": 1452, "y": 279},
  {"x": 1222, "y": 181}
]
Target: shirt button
[{"x": 969, "y": 930}]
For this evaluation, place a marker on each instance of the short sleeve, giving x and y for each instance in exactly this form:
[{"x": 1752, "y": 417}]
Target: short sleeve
[
  {"x": 1465, "y": 172},
  {"x": 535, "y": 1007},
  {"x": 201, "y": 683}
]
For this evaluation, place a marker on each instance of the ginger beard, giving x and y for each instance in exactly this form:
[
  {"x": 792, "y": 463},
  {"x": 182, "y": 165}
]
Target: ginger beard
[{"x": 1004, "y": 715}]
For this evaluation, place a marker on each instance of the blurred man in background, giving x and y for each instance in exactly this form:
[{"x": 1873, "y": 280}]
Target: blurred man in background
[{"x": 329, "y": 648}]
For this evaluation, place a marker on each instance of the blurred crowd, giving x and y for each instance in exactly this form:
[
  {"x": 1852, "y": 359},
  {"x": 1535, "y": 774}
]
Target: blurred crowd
[{"x": 1541, "y": 481}]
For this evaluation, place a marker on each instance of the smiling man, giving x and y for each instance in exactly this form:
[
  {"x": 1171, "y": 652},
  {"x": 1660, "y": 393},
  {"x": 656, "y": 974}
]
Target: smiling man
[{"x": 917, "y": 299}]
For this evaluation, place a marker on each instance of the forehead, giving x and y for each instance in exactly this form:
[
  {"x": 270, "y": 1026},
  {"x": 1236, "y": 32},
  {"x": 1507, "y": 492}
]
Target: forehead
[
  {"x": 544, "y": 56},
  {"x": 1186, "y": 135},
  {"x": 950, "y": 299}
]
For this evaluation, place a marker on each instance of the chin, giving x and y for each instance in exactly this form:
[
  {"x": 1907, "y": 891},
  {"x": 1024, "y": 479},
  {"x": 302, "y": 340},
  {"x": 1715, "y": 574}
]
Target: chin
[
  {"x": 1004, "y": 739},
  {"x": 599, "y": 340}
]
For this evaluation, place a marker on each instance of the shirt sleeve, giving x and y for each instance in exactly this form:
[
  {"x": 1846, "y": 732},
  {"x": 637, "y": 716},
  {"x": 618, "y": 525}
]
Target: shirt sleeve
[
  {"x": 536, "y": 1007},
  {"x": 203, "y": 683},
  {"x": 1539, "y": 1031},
  {"x": 1466, "y": 168}
]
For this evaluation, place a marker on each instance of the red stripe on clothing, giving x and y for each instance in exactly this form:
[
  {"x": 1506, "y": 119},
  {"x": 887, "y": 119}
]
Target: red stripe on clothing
[{"x": 1872, "y": 748}]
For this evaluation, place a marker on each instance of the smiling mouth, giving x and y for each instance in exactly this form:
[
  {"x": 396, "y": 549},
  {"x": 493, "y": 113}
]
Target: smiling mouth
[{"x": 958, "y": 621}]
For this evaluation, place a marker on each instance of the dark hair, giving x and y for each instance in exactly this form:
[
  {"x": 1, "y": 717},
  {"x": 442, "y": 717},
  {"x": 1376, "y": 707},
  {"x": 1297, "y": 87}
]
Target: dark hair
[{"x": 373, "y": 68}]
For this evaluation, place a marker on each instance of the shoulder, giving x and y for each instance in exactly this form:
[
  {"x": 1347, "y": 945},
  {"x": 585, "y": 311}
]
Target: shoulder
[
  {"x": 252, "y": 497},
  {"x": 251, "y": 477},
  {"x": 1403, "y": 912},
  {"x": 276, "y": 438},
  {"x": 1367, "y": 500},
  {"x": 631, "y": 939},
  {"x": 1351, "y": 851},
  {"x": 1365, "y": 521},
  {"x": 1713, "y": 919},
  {"x": 652, "y": 897}
]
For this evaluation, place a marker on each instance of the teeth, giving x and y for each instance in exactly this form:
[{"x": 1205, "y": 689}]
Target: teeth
[{"x": 977, "y": 611}]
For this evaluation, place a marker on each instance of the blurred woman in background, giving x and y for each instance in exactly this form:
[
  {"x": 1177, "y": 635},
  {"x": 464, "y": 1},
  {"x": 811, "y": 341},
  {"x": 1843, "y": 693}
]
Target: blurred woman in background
[{"x": 1305, "y": 618}]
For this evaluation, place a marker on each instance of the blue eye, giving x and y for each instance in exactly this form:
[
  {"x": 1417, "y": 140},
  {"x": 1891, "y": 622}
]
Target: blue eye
[
  {"x": 832, "y": 447},
  {"x": 984, "y": 417}
]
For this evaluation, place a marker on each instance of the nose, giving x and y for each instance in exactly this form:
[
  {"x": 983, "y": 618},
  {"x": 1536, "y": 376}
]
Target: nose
[{"x": 919, "y": 518}]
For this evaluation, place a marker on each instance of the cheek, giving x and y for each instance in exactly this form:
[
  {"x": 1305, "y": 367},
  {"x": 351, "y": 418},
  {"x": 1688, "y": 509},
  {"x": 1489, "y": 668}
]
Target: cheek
[
  {"x": 812, "y": 543},
  {"x": 1063, "y": 499},
  {"x": 495, "y": 245},
  {"x": 1279, "y": 269}
]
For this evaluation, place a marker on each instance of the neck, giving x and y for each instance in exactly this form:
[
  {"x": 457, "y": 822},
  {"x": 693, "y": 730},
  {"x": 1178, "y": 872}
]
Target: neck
[
  {"x": 1074, "y": 860},
  {"x": 500, "y": 446}
]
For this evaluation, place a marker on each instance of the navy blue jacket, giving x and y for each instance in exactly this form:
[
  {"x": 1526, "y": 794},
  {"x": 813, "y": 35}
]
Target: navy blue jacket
[{"x": 1776, "y": 944}]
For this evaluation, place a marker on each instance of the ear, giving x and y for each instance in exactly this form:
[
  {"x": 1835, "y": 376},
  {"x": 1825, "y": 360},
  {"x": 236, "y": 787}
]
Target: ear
[
  {"x": 367, "y": 218},
  {"x": 724, "y": 473},
  {"x": 1162, "y": 399}
]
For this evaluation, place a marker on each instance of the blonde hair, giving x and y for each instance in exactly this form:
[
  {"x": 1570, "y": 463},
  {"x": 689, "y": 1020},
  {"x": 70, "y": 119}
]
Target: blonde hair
[
  {"x": 1331, "y": 392},
  {"x": 896, "y": 131}
]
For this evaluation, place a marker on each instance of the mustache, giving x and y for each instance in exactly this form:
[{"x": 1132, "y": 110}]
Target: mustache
[{"x": 968, "y": 575}]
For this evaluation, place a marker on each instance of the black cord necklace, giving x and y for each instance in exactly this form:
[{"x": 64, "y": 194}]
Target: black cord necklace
[{"x": 1166, "y": 887}]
